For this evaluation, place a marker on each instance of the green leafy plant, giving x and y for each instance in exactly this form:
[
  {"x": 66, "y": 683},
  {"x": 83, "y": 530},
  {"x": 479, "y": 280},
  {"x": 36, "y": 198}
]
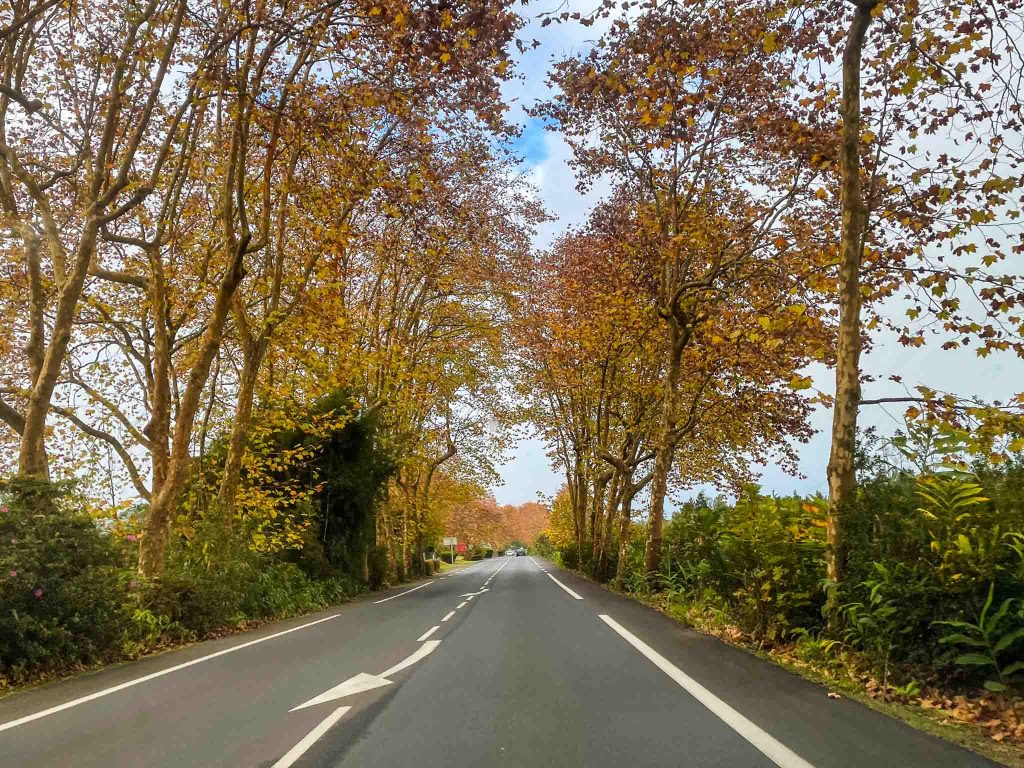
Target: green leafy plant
[
  {"x": 874, "y": 625},
  {"x": 989, "y": 639},
  {"x": 908, "y": 691},
  {"x": 814, "y": 649}
]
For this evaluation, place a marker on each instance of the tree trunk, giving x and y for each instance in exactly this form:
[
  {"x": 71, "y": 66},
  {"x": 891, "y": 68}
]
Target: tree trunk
[
  {"x": 606, "y": 519},
  {"x": 664, "y": 450},
  {"x": 841, "y": 478},
  {"x": 596, "y": 515},
  {"x": 252, "y": 359},
  {"x": 624, "y": 520},
  {"x": 32, "y": 461},
  {"x": 154, "y": 539}
]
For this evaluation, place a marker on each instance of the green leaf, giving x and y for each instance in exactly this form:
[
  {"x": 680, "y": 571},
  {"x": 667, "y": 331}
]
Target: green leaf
[
  {"x": 1009, "y": 639},
  {"x": 994, "y": 686},
  {"x": 988, "y": 603},
  {"x": 963, "y": 640},
  {"x": 996, "y": 617},
  {"x": 975, "y": 660},
  {"x": 1017, "y": 666}
]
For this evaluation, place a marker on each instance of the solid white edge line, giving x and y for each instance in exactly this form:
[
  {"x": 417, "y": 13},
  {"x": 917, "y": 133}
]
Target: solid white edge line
[
  {"x": 448, "y": 615},
  {"x": 764, "y": 742},
  {"x": 421, "y": 586},
  {"x": 578, "y": 597},
  {"x": 428, "y": 633},
  {"x": 153, "y": 676},
  {"x": 460, "y": 605},
  {"x": 311, "y": 738},
  {"x": 424, "y": 650},
  {"x": 534, "y": 561}
]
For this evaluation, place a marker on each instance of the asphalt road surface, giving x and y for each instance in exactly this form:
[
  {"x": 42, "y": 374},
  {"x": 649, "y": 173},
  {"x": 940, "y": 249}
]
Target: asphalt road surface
[{"x": 510, "y": 662}]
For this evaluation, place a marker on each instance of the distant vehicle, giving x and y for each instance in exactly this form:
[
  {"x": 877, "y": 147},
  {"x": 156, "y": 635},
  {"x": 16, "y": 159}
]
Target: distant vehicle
[
  {"x": 509, "y": 552},
  {"x": 520, "y": 552}
]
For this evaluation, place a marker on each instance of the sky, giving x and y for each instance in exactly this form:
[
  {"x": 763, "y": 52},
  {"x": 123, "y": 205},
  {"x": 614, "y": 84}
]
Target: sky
[{"x": 528, "y": 475}]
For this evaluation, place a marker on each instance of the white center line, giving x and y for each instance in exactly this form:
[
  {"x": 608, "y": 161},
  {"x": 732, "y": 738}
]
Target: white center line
[
  {"x": 428, "y": 633},
  {"x": 421, "y": 586},
  {"x": 460, "y": 605},
  {"x": 448, "y": 615},
  {"x": 563, "y": 586},
  {"x": 153, "y": 676},
  {"x": 767, "y": 744},
  {"x": 311, "y": 738}
]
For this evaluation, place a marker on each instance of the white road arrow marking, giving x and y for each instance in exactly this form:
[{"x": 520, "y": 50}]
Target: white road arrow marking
[
  {"x": 422, "y": 652},
  {"x": 357, "y": 684},
  {"x": 365, "y": 682},
  {"x": 311, "y": 738}
]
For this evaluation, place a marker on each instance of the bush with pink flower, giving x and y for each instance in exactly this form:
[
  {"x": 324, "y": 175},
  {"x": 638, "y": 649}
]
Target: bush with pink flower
[{"x": 60, "y": 583}]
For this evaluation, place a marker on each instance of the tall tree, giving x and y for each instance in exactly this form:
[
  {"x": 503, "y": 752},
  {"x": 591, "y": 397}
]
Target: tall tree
[{"x": 670, "y": 103}]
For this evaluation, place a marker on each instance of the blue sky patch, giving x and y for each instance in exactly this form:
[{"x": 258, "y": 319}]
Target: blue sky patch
[{"x": 530, "y": 145}]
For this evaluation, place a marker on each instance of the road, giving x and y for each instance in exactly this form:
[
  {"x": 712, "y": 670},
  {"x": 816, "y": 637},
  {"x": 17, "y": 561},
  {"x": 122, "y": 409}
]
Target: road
[{"x": 508, "y": 662}]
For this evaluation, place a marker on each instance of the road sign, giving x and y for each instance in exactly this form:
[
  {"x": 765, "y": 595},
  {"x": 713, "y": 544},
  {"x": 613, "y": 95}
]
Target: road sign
[{"x": 450, "y": 541}]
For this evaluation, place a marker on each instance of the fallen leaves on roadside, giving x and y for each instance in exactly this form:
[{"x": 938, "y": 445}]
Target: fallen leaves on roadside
[{"x": 1002, "y": 718}]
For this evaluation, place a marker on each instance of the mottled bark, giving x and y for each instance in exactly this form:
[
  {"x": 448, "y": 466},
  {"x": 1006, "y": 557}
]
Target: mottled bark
[
  {"x": 664, "y": 449},
  {"x": 252, "y": 359},
  {"x": 154, "y": 540},
  {"x": 841, "y": 479}
]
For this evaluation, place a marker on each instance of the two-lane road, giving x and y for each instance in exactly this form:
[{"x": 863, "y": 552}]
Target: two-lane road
[{"x": 507, "y": 662}]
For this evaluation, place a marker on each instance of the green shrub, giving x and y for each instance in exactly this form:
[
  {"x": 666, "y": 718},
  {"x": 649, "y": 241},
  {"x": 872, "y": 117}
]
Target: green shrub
[
  {"x": 378, "y": 567},
  {"x": 61, "y": 582}
]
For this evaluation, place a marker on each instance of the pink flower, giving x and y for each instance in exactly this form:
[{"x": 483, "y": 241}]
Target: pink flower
[
  {"x": 131, "y": 537},
  {"x": 38, "y": 593},
  {"x": 13, "y": 574},
  {"x": 3, "y": 510}
]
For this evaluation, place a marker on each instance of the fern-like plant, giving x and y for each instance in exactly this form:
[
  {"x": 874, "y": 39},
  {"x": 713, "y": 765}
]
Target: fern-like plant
[{"x": 987, "y": 641}]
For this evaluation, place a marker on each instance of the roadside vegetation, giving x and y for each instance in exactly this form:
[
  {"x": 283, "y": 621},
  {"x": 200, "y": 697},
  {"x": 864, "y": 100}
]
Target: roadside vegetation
[{"x": 932, "y": 614}]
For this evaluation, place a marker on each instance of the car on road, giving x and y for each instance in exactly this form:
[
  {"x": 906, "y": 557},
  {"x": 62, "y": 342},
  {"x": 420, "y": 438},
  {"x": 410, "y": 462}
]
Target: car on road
[
  {"x": 509, "y": 552},
  {"x": 520, "y": 552}
]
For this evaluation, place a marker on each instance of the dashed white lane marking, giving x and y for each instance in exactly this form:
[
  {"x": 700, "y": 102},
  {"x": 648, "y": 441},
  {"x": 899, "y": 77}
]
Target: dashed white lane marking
[
  {"x": 460, "y": 605},
  {"x": 534, "y": 561},
  {"x": 154, "y": 675},
  {"x": 764, "y": 742},
  {"x": 496, "y": 572},
  {"x": 400, "y": 594},
  {"x": 424, "y": 650},
  {"x": 470, "y": 598},
  {"x": 448, "y": 615},
  {"x": 578, "y": 597},
  {"x": 428, "y": 633},
  {"x": 311, "y": 738}
]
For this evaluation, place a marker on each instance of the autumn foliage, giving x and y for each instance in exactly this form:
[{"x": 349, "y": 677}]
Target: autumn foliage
[{"x": 271, "y": 294}]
